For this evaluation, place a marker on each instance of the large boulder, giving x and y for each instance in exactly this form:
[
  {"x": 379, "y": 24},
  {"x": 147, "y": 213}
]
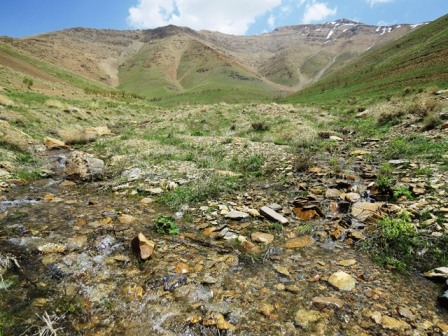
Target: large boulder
[{"x": 83, "y": 166}]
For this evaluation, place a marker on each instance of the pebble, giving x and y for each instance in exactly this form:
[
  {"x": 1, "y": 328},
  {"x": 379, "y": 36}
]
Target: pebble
[
  {"x": 236, "y": 215},
  {"x": 261, "y": 237},
  {"x": 273, "y": 215},
  {"x": 328, "y": 301}
]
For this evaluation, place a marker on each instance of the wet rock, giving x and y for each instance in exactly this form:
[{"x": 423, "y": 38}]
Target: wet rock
[
  {"x": 308, "y": 212},
  {"x": 182, "y": 268},
  {"x": 171, "y": 282},
  {"x": 193, "y": 294},
  {"x": 52, "y": 248},
  {"x": 267, "y": 310},
  {"x": 236, "y": 215},
  {"x": 406, "y": 312},
  {"x": 142, "y": 247},
  {"x": 342, "y": 281},
  {"x": 273, "y": 215},
  {"x": 281, "y": 270},
  {"x": 132, "y": 174},
  {"x": 352, "y": 197},
  {"x": 300, "y": 242},
  {"x": 51, "y": 143},
  {"x": 393, "y": 324},
  {"x": 363, "y": 210},
  {"x": 305, "y": 317},
  {"x": 333, "y": 193},
  {"x": 437, "y": 273},
  {"x": 328, "y": 301},
  {"x": 83, "y": 166},
  {"x": 261, "y": 237},
  {"x": 218, "y": 320}
]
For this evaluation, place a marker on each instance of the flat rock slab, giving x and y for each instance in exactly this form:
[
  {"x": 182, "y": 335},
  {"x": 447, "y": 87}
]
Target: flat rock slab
[
  {"x": 236, "y": 215},
  {"x": 261, "y": 237},
  {"x": 328, "y": 301},
  {"x": 273, "y": 215},
  {"x": 363, "y": 210},
  {"x": 342, "y": 281},
  {"x": 300, "y": 242}
]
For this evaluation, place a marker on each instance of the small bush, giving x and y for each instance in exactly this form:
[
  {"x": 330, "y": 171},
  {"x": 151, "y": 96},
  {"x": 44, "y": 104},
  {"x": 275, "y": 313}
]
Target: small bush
[
  {"x": 403, "y": 191},
  {"x": 260, "y": 126},
  {"x": 166, "y": 225},
  {"x": 28, "y": 82}
]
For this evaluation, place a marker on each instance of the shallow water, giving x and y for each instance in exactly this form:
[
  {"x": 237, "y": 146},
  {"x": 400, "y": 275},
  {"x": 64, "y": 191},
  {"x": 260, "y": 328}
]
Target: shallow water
[{"x": 75, "y": 261}]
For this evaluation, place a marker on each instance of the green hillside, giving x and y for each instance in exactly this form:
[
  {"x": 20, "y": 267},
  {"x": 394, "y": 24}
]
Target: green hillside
[{"x": 417, "y": 60}]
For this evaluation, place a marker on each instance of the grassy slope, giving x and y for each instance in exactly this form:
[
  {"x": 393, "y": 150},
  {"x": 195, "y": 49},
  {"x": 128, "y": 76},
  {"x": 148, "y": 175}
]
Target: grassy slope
[
  {"x": 53, "y": 71},
  {"x": 189, "y": 72},
  {"x": 419, "y": 59}
]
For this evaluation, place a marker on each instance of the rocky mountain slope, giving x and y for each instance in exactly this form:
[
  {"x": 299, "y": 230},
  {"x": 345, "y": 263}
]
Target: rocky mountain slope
[{"x": 171, "y": 60}]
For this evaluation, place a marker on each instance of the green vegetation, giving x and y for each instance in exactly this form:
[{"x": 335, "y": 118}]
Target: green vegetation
[{"x": 166, "y": 225}]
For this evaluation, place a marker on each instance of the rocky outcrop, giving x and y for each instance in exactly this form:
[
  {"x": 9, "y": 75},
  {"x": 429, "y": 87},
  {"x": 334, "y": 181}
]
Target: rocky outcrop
[{"x": 83, "y": 166}]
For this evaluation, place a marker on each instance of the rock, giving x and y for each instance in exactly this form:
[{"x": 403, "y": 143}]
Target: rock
[
  {"x": 261, "y": 237},
  {"x": 83, "y": 166},
  {"x": 155, "y": 191},
  {"x": 273, "y": 215},
  {"x": 171, "y": 282},
  {"x": 347, "y": 263},
  {"x": 51, "y": 143},
  {"x": 300, "y": 242},
  {"x": 275, "y": 206},
  {"x": 352, "y": 197},
  {"x": 237, "y": 215},
  {"x": 342, "y": 281},
  {"x": 132, "y": 174},
  {"x": 363, "y": 210},
  {"x": 281, "y": 270},
  {"x": 359, "y": 152},
  {"x": 437, "y": 273},
  {"x": 218, "y": 320},
  {"x": 100, "y": 130},
  {"x": 335, "y": 138},
  {"x": 406, "y": 312},
  {"x": 126, "y": 219},
  {"x": 308, "y": 212},
  {"x": 443, "y": 299},
  {"x": 393, "y": 324},
  {"x": 250, "y": 247},
  {"x": 146, "y": 200},
  {"x": 305, "y": 317},
  {"x": 333, "y": 193},
  {"x": 182, "y": 268},
  {"x": 52, "y": 248},
  {"x": 193, "y": 294},
  {"x": 328, "y": 301},
  {"x": 267, "y": 310},
  {"x": 142, "y": 247}
]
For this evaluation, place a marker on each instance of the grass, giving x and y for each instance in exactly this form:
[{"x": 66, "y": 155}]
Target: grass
[
  {"x": 395, "y": 243},
  {"x": 166, "y": 225}
]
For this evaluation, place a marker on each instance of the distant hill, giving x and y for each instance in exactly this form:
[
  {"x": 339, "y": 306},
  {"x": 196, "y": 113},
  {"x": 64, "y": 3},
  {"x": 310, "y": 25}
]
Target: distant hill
[
  {"x": 416, "y": 60},
  {"x": 179, "y": 64}
]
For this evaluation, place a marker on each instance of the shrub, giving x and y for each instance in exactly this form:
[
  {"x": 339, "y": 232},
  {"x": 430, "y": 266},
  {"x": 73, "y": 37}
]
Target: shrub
[
  {"x": 28, "y": 82},
  {"x": 166, "y": 225},
  {"x": 260, "y": 126}
]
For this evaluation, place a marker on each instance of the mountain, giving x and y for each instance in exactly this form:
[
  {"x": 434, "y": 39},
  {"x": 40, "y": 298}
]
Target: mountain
[
  {"x": 179, "y": 63},
  {"x": 415, "y": 61}
]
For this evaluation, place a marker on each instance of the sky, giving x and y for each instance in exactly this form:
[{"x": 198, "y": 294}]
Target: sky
[{"x": 20, "y": 18}]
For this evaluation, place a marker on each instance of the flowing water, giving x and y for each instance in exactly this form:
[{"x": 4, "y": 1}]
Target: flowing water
[{"x": 66, "y": 251}]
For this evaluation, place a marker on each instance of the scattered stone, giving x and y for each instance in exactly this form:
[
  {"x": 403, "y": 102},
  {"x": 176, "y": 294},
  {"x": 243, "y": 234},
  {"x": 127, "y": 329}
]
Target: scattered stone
[
  {"x": 393, "y": 324},
  {"x": 273, "y": 215},
  {"x": 333, "y": 193},
  {"x": 83, "y": 166},
  {"x": 146, "y": 200},
  {"x": 406, "y": 312},
  {"x": 51, "y": 143},
  {"x": 347, "y": 263},
  {"x": 363, "y": 210},
  {"x": 142, "y": 247},
  {"x": 261, "y": 237},
  {"x": 300, "y": 242},
  {"x": 155, "y": 191},
  {"x": 267, "y": 310},
  {"x": 171, "y": 282},
  {"x": 437, "y": 273},
  {"x": 250, "y": 247},
  {"x": 236, "y": 215},
  {"x": 182, "y": 268},
  {"x": 328, "y": 301},
  {"x": 305, "y": 317},
  {"x": 359, "y": 152},
  {"x": 126, "y": 219},
  {"x": 218, "y": 320},
  {"x": 342, "y": 281},
  {"x": 308, "y": 212},
  {"x": 275, "y": 206},
  {"x": 281, "y": 270},
  {"x": 352, "y": 197},
  {"x": 52, "y": 248}
]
